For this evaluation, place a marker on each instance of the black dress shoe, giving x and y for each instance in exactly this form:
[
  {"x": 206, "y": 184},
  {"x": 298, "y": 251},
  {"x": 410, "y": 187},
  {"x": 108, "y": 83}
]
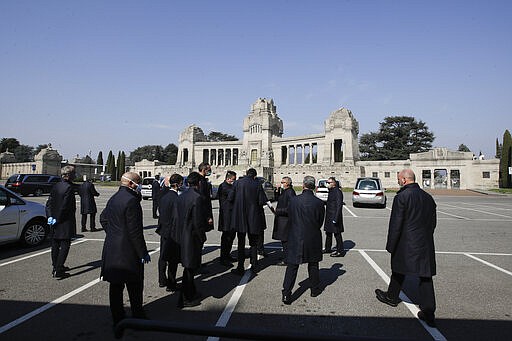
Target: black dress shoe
[
  {"x": 281, "y": 263},
  {"x": 93, "y": 229},
  {"x": 262, "y": 253},
  {"x": 384, "y": 298},
  {"x": 337, "y": 254},
  {"x": 66, "y": 268},
  {"x": 429, "y": 320},
  {"x": 238, "y": 271},
  {"x": 84, "y": 229},
  {"x": 326, "y": 251},
  {"x": 226, "y": 262},
  {"x": 171, "y": 288},
  {"x": 232, "y": 259},
  {"x": 161, "y": 285},
  {"x": 61, "y": 275},
  {"x": 287, "y": 299},
  {"x": 315, "y": 292}
]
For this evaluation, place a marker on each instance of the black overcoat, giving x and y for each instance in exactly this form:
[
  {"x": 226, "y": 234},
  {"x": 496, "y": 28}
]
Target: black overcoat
[
  {"x": 225, "y": 207},
  {"x": 205, "y": 189},
  {"x": 193, "y": 224},
  {"x": 61, "y": 205},
  {"x": 411, "y": 232},
  {"x": 155, "y": 191},
  {"x": 87, "y": 192},
  {"x": 168, "y": 215},
  {"x": 305, "y": 218},
  {"x": 248, "y": 199},
  {"x": 333, "y": 211},
  {"x": 124, "y": 246},
  {"x": 280, "y": 231}
]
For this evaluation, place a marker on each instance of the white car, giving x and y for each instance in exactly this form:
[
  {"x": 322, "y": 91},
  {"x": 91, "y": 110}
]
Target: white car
[
  {"x": 369, "y": 191},
  {"x": 321, "y": 190},
  {"x": 146, "y": 187},
  {"x": 21, "y": 220}
]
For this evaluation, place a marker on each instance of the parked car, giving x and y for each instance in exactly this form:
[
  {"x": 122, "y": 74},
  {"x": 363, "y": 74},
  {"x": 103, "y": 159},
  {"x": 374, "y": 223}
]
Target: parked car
[
  {"x": 268, "y": 188},
  {"x": 321, "y": 190},
  {"x": 36, "y": 184},
  {"x": 21, "y": 220},
  {"x": 369, "y": 191},
  {"x": 146, "y": 187}
]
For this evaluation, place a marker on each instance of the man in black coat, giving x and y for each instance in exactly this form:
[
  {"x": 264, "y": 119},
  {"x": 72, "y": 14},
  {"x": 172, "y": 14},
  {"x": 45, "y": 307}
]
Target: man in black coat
[
  {"x": 248, "y": 217},
  {"x": 280, "y": 231},
  {"x": 411, "y": 245},
  {"x": 155, "y": 195},
  {"x": 205, "y": 189},
  {"x": 305, "y": 218},
  {"x": 334, "y": 218},
  {"x": 87, "y": 192},
  {"x": 192, "y": 224},
  {"x": 167, "y": 229},
  {"x": 61, "y": 208},
  {"x": 124, "y": 250},
  {"x": 225, "y": 210}
]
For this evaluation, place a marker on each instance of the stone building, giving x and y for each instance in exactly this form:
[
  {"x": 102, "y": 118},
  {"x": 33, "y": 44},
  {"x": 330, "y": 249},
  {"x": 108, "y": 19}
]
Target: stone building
[{"x": 335, "y": 152}]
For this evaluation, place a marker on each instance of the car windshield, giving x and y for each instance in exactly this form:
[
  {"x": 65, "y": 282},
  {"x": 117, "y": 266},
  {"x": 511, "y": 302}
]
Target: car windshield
[
  {"x": 147, "y": 181},
  {"x": 322, "y": 183},
  {"x": 367, "y": 184}
]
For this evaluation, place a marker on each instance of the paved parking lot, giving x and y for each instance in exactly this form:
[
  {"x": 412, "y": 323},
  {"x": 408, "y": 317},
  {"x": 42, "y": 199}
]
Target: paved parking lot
[{"x": 473, "y": 285}]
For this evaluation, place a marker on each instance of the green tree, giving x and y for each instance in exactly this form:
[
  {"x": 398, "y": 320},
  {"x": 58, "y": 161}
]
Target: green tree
[
  {"x": 463, "y": 148},
  {"x": 149, "y": 152},
  {"x": 170, "y": 154},
  {"x": 506, "y": 160},
  {"x": 498, "y": 149},
  {"x": 23, "y": 153},
  {"x": 8, "y": 143},
  {"x": 216, "y": 136},
  {"x": 119, "y": 166},
  {"x": 111, "y": 165},
  {"x": 398, "y": 136},
  {"x": 99, "y": 159}
]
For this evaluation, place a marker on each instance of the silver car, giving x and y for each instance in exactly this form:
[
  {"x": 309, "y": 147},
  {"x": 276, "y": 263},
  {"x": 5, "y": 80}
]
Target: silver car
[
  {"x": 21, "y": 220},
  {"x": 369, "y": 191}
]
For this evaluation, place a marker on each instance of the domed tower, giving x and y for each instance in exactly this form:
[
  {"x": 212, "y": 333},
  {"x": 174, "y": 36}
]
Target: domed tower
[
  {"x": 48, "y": 161},
  {"x": 260, "y": 126},
  {"x": 341, "y": 130}
]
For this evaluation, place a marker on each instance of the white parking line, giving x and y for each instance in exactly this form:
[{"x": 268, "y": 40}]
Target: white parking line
[
  {"x": 489, "y": 264},
  {"x": 453, "y": 215},
  {"x": 53, "y": 303},
  {"x": 349, "y": 211},
  {"x": 434, "y": 332},
  {"x": 479, "y": 211}
]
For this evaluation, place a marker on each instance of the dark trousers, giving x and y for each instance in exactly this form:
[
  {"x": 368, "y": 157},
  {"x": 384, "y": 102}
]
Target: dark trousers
[
  {"x": 168, "y": 261},
  {"x": 187, "y": 284},
  {"x": 155, "y": 208},
  {"x": 291, "y": 275},
  {"x": 116, "y": 300},
  {"x": 426, "y": 291},
  {"x": 284, "y": 243},
  {"x": 60, "y": 251},
  {"x": 261, "y": 242},
  {"x": 253, "y": 243},
  {"x": 339, "y": 241},
  {"x": 93, "y": 221},
  {"x": 226, "y": 244}
]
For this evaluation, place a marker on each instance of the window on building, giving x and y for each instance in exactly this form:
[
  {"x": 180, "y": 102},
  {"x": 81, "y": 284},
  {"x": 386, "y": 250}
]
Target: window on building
[
  {"x": 254, "y": 156},
  {"x": 228, "y": 157},
  {"x": 220, "y": 157},
  {"x": 307, "y": 154},
  {"x": 486, "y": 175},
  {"x": 299, "y": 155},
  {"x": 375, "y": 174},
  {"x": 185, "y": 155},
  {"x": 284, "y": 155},
  {"x": 206, "y": 156},
  {"x": 338, "y": 150},
  {"x": 387, "y": 174},
  {"x": 235, "y": 156},
  {"x": 291, "y": 153},
  {"x": 213, "y": 157},
  {"x": 314, "y": 152}
]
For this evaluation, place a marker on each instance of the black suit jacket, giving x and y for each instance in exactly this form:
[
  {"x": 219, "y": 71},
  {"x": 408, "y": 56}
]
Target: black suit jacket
[
  {"x": 248, "y": 199},
  {"x": 168, "y": 215},
  {"x": 61, "y": 205},
  {"x": 280, "y": 231},
  {"x": 333, "y": 211},
  {"x": 411, "y": 232},
  {"x": 124, "y": 246},
  {"x": 87, "y": 192}
]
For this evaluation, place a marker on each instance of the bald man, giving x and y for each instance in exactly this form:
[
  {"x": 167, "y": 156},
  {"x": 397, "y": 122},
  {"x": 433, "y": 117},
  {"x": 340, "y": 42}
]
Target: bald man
[
  {"x": 411, "y": 245},
  {"x": 124, "y": 251}
]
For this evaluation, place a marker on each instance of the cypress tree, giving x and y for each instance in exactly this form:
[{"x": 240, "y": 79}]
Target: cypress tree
[
  {"x": 498, "y": 149},
  {"x": 505, "y": 160},
  {"x": 99, "y": 159},
  {"x": 111, "y": 165}
]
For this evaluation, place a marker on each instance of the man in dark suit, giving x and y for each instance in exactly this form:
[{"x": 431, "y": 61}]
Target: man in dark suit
[
  {"x": 225, "y": 210},
  {"x": 205, "y": 189},
  {"x": 305, "y": 218},
  {"x": 248, "y": 217},
  {"x": 192, "y": 224},
  {"x": 124, "y": 250},
  {"x": 411, "y": 245},
  {"x": 61, "y": 208},
  {"x": 334, "y": 218},
  {"x": 155, "y": 195},
  {"x": 87, "y": 192},
  {"x": 280, "y": 231},
  {"x": 167, "y": 229}
]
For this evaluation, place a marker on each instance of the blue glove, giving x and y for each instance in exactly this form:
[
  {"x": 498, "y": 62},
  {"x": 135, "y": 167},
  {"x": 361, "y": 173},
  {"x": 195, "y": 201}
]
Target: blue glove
[
  {"x": 334, "y": 221},
  {"x": 146, "y": 259},
  {"x": 51, "y": 221}
]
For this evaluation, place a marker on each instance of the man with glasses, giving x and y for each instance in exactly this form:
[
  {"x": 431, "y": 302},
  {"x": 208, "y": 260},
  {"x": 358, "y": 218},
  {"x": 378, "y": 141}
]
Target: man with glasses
[
  {"x": 334, "y": 218},
  {"x": 280, "y": 231}
]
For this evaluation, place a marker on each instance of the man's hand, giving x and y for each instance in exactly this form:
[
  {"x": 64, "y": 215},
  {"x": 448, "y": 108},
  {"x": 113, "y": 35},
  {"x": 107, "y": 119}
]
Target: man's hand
[
  {"x": 51, "y": 221},
  {"x": 146, "y": 259}
]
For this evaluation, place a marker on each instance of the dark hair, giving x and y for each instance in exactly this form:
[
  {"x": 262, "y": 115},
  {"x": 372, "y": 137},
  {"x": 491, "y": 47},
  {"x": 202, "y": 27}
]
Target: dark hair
[
  {"x": 202, "y": 166},
  {"x": 175, "y": 179},
  {"x": 193, "y": 179},
  {"x": 251, "y": 172},
  {"x": 230, "y": 174}
]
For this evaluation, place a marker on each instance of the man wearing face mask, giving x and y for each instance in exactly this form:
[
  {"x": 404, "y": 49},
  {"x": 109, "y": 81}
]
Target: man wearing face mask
[
  {"x": 205, "y": 189},
  {"x": 280, "y": 231},
  {"x": 61, "y": 207},
  {"x": 124, "y": 250},
  {"x": 334, "y": 218}
]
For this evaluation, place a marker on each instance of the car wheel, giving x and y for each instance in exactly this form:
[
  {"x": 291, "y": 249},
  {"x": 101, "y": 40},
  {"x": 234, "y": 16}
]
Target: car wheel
[
  {"x": 38, "y": 192},
  {"x": 33, "y": 234}
]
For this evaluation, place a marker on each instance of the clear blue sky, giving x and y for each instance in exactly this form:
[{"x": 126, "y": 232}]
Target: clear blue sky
[{"x": 115, "y": 75}]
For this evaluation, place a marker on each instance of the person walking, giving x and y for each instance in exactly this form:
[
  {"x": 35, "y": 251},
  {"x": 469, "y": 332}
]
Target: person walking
[
  {"x": 87, "y": 192},
  {"x": 225, "y": 210},
  {"x": 193, "y": 223},
  {"x": 248, "y": 217},
  {"x": 61, "y": 209},
  {"x": 124, "y": 250},
  {"x": 334, "y": 219},
  {"x": 305, "y": 218},
  {"x": 280, "y": 231},
  {"x": 168, "y": 231},
  {"x": 410, "y": 242},
  {"x": 155, "y": 195},
  {"x": 205, "y": 189}
]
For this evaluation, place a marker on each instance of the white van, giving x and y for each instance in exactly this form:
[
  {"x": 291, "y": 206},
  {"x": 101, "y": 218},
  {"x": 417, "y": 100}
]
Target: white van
[{"x": 147, "y": 185}]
